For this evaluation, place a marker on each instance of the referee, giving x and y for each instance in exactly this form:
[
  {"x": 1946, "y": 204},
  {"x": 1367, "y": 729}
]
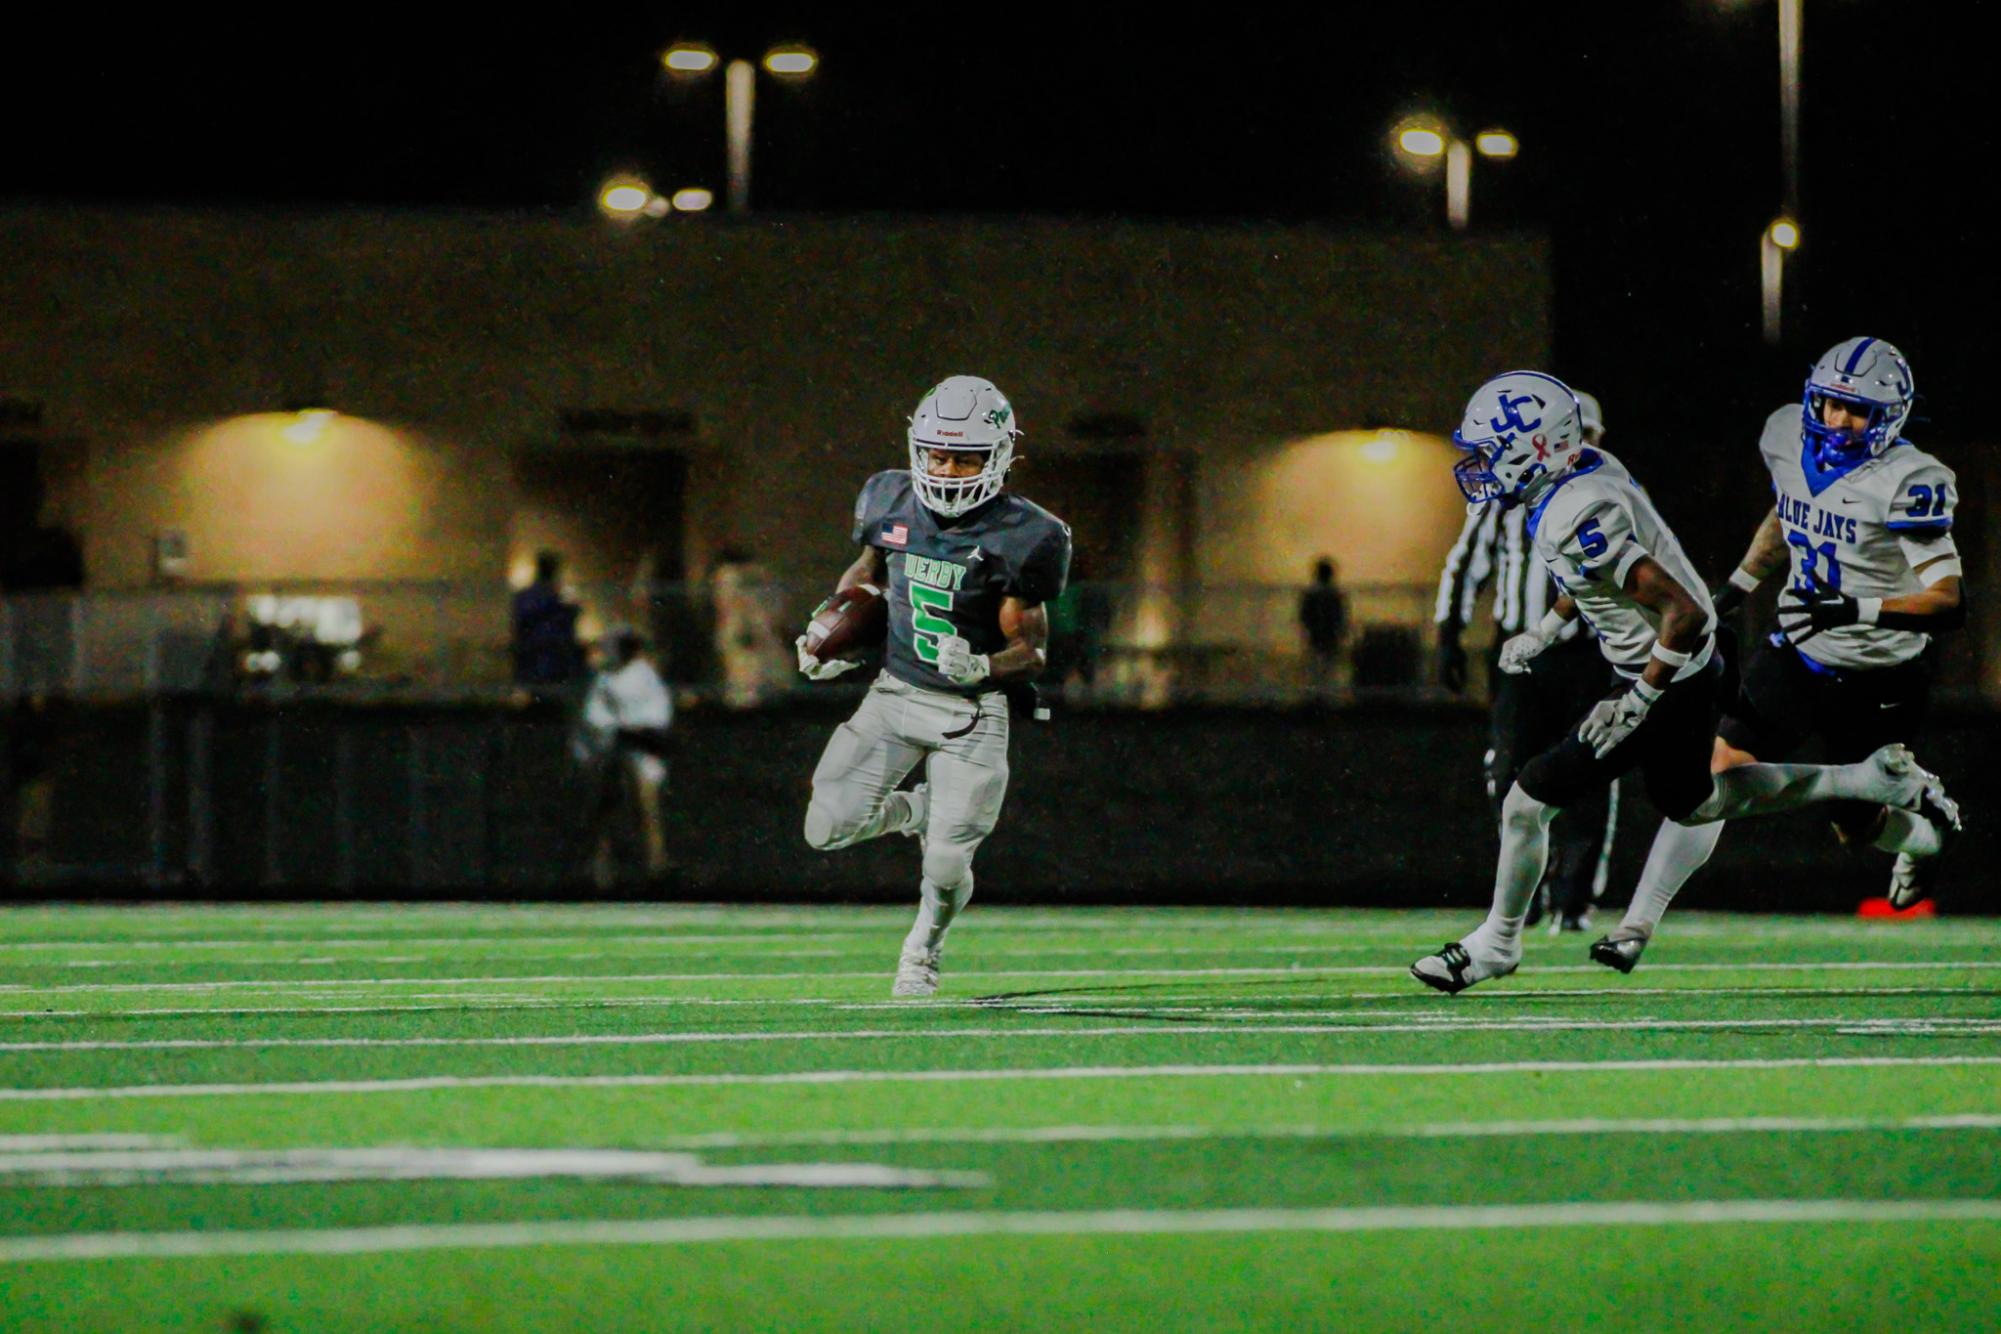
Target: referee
[{"x": 1532, "y": 711}]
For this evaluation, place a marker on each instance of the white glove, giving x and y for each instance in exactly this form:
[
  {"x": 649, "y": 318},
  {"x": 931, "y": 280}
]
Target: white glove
[
  {"x": 815, "y": 670},
  {"x": 1517, "y": 652},
  {"x": 1611, "y": 721},
  {"x": 958, "y": 663}
]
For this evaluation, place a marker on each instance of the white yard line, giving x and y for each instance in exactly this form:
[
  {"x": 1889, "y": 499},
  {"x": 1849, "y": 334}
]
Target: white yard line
[
  {"x": 970, "y": 976},
  {"x": 55, "y": 1143},
  {"x": 424, "y": 1083},
  {"x": 264, "y": 1167},
  {"x": 873, "y": 949},
  {"x": 1151, "y": 1004},
  {"x": 502, "y": 1002},
  {"x": 868, "y": 1227},
  {"x": 1886, "y": 1025},
  {"x": 1721, "y": 1125}
]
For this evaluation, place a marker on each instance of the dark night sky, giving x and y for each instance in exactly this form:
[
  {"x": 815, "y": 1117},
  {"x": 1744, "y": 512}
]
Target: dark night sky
[{"x": 1649, "y": 130}]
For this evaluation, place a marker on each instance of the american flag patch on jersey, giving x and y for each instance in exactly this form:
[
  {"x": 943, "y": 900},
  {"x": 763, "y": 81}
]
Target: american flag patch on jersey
[{"x": 896, "y": 534}]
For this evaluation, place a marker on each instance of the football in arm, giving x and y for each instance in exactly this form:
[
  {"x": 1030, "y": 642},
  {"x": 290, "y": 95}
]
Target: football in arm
[{"x": 852, "y": 620}]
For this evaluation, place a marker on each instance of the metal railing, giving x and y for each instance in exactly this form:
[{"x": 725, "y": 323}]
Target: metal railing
[{"x": 1116, "y": 645}]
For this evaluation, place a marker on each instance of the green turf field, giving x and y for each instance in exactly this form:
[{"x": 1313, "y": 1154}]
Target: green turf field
[{"x": 498, "y": 1119}]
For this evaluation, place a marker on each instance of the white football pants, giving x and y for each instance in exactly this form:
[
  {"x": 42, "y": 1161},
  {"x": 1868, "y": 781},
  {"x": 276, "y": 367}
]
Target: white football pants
[{"x": 963, "y": 744}]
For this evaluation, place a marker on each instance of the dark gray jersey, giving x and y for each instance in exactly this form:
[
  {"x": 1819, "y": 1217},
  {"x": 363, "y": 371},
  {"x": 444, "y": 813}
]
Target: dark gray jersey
[{"x": 949, "y": 577}]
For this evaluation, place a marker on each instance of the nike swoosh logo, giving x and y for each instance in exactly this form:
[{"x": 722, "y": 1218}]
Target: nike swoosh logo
[
  {"x": 1848, "y": 500},
  {"x": 1886, "y": 706}
]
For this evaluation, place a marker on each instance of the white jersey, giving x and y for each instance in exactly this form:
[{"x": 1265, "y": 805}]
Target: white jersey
[
  {"x": 1590, "y": 528},
  {"x": 1862, "y": 531},
  {"x": 632, "y": 696}
]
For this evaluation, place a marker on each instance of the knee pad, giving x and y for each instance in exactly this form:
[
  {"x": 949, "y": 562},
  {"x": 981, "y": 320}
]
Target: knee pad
[
  {"x": 1519, "y": 808},
  {"x": 948, "y": 866},
  {"x": 824, "y": 827}
]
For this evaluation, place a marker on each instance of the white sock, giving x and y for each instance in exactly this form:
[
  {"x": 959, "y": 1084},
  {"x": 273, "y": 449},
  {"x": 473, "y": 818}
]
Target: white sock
[
  {"x": 1524, "y": 853},
  {"x": 935, "y": 910},
  {"x": 1679, "y": 851},
  {"x": 1907, "y": 831},
  {"x": 1767, "y": 789}
]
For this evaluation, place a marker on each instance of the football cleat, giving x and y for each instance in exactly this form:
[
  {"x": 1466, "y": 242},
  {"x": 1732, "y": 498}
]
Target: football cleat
[
  {"x": 1912, "y": 878},
  {"x": 1453, "y": 969},
  {"x": 1907, "y": 782},
  {"x": 916, "y": 974},
  {"x": 1621, "y": 949}
]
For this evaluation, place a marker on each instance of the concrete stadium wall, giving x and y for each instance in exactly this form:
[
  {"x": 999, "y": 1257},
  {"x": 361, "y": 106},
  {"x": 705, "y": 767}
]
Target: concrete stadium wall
[
  {"x": 157, "y": 342},
  {"x": 1372, "y": 806}
]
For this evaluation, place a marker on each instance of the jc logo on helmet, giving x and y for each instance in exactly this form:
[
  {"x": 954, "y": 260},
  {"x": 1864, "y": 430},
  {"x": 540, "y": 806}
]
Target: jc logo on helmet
[{"x": 1511, "y": 414}]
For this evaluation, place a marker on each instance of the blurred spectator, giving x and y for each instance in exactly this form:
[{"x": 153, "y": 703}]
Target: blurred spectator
[
  {"x": 1323, "y": 614},
  {"x": 1078, "y": 621},
  {"x": 622, "y": 744},
  {"x": 545, "y": 628},
  {"x": 756, "y": 658}
]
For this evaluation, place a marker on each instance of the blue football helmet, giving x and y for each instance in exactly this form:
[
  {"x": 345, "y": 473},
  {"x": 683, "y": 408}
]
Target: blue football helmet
[
  {"x": 1870, "y": 376},
  {"x": 1520, "y": 430}
]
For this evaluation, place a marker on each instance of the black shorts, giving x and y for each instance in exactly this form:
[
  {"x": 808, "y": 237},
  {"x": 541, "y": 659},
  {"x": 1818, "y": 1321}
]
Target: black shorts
[
  {"x": 1786, "y": 700},
  {"x": 1671, "y": 749}
]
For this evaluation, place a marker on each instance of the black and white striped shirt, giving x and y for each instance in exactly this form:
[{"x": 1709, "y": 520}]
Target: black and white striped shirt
[{"x": 1493, "y": 546}]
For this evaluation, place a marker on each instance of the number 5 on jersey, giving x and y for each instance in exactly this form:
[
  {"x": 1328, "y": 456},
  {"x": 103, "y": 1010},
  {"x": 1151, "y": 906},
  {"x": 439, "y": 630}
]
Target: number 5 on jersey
[{"x": 928, "y": 620}]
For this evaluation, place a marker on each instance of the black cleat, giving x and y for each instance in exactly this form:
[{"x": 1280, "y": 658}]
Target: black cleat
[
  {"x": 1618, "y": 951},
  {"x": 1452, "y": 970}
]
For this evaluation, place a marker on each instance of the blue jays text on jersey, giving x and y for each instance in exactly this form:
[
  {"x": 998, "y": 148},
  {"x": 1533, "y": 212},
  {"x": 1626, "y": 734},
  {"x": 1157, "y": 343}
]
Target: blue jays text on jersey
[
  {"x": 1863, "y": 529},
  {"x": 1814, "y": 520}
]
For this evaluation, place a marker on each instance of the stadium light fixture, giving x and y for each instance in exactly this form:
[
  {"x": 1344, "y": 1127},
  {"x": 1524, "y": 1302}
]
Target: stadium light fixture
[
  {"x": 309, "y": 426},
  {"x": 624, "y": 197},
  {"x": 790, "y": 62},
  {"x": 1785, "y": 234},
  {"x": 693, "y": 199},
  {"x": 689, "y": 58},
  {"x": 1421, "y": 141},
  {"x": 1381, "y": 448}
]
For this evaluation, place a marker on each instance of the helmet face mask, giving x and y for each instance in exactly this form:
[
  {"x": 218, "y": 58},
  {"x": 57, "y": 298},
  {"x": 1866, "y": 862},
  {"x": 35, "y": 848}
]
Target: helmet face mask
[
  {"x": 1872, "y": 380},
  {"x": 1520, "y": 430},
  {"x": 963, "y": 414}
]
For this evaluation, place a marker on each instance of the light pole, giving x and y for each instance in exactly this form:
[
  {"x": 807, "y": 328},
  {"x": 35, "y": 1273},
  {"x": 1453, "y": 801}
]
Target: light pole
[
  {"x": 693, "y": 60},
  {"x": 1421, "y": 142},
  {"x": 1778, "y": 241}
]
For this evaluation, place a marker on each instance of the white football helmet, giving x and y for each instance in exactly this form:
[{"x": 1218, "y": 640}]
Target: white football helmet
[
  {"x": 1591, "y": 417},
  {"x": 962, "y": 413},
  {"x": 1521, "y": 430},
  {"x": 1867, "y": 374}
]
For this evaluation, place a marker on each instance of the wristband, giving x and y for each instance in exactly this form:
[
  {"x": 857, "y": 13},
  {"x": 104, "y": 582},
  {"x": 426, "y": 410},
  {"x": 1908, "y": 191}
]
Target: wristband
[
  {"x": 1647, "y": 693},
  {"x": 1670, "y": 657},
  {"x": 1743, "y": 580},
  {"x": 1551, "y": 626},
  {"x": 1868, "y": 610}
]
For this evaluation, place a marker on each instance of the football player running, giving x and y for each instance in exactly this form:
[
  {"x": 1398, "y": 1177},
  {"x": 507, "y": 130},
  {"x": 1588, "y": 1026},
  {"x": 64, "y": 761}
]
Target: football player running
[
  {"x": 1622, "y": 569},
  {"x": 1864, "y": 517},
  {"x": 969, "y": 569}
]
